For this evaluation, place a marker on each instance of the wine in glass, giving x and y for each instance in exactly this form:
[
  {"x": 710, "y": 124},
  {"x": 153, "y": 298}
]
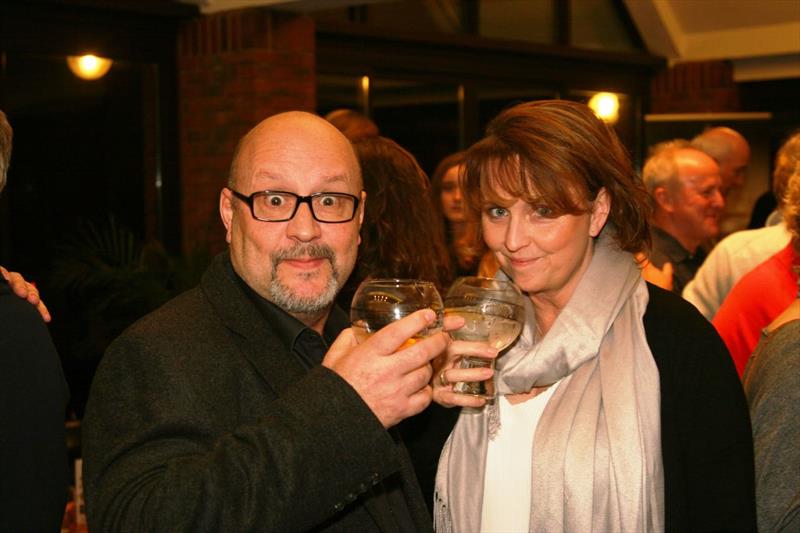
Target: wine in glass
[
  {"x": 494, "y": 312},
  {"x": 378, "y": 302}
]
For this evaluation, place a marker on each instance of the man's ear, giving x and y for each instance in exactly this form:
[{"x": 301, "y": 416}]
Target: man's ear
[
  {"x": 601, "y": 207},
  {"x": 663, "y": 199},
  {"x": 226, "y": 211}
]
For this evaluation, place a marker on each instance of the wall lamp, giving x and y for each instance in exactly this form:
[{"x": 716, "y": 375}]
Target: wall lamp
[
  {"x": 89, "y": 67},
  {"x": 605, "y": 106}
]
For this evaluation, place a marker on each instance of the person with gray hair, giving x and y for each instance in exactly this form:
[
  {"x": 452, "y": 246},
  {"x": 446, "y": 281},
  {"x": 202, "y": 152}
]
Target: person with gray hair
[
  {"x": 738, "y": 253},
  {"x": 684, "y": 187},
  {"x": 730, "y": 150},
  {"x": 33, "y": 396}
]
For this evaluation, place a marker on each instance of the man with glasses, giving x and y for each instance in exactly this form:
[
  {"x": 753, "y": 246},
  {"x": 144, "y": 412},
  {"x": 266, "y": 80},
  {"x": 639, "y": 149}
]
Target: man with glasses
[{"x": 245, "y": 404}]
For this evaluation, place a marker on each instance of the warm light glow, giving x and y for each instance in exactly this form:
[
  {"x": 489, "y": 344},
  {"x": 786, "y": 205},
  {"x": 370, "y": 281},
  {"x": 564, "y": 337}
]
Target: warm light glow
[
  {"x": 88, "y": 67},
  {"x": 605, "y": 106}
]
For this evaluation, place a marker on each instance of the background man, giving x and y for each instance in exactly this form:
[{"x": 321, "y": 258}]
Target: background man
[
  {"x": 33, "y": 396},
  {"x": 738, "y": 253},
  {"x": 214, "y": 414},
  {"x": 684, "y": 185},
  {"x": 730, "y": 150}
]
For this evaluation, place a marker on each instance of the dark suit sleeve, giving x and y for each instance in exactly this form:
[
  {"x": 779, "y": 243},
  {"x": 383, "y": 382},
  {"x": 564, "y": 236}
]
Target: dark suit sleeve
[
  {"x": 707, "y": 443},
  {"x": 33, "y": 396},
  {"x": 160, "y": 456}
]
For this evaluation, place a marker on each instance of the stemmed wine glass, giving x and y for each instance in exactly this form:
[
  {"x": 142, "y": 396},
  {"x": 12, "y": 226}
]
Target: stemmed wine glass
[
  {"x": 494, "y": 312},
  {"x": 377, "y": 302}
]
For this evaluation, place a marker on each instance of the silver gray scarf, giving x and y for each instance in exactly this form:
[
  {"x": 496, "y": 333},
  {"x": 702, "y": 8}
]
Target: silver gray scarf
[{"x": 597, "y": 457}]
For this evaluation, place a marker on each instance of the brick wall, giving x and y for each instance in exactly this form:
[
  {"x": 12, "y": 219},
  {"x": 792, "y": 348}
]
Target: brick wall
[
  {"x": 235, "y": 69},
  {"x": 697, "y": 87}
]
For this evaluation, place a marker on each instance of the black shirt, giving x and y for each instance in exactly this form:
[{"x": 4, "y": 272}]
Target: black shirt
[
  {"x": 306, "y": 344},
  {"x": 684, "y": 264}
]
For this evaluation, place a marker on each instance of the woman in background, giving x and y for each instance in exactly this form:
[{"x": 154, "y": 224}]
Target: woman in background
[
  {"x": 618, "y": 407},
  {"x": 467, "y": 250},
  {"x": 399, "y": 237}
]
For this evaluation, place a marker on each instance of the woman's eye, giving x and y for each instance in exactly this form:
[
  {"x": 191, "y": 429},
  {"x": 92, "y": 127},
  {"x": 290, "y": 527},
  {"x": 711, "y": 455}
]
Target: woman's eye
[
  {"x": 543, "y": 211},
  {"x": 496, "y": 212}
]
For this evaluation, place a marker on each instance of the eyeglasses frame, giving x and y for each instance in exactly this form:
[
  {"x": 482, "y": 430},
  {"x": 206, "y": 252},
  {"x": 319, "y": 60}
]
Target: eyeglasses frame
[{"x": 300, "y": 200}]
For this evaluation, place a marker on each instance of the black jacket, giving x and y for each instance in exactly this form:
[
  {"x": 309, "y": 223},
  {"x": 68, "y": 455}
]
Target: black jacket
[{"x": 200, "y": 419}]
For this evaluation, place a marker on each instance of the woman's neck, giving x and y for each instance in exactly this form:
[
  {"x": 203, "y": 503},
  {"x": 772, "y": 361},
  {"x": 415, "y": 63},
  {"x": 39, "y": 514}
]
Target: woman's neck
[{"x": 457, "y": 230}]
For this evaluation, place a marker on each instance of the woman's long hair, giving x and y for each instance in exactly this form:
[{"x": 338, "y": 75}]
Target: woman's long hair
[{"x": 400, "y": 237}]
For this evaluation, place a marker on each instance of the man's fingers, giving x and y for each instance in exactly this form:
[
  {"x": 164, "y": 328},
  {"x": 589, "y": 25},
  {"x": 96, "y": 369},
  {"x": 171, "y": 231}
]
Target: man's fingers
[
  {"x": 392, "y": 337},
  {"x": 22, "y": 288},
  {"x": 423, "y": 351},
  {"x": 344, "y": 343},
  {"x": 418, "y": 401},
  {"x": 452, "y": 322},
  {"x": 43, "y": 311}
]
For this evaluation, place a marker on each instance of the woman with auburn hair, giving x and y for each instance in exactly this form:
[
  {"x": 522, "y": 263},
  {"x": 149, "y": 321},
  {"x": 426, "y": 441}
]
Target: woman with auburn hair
[{"x": 618, "y": 408}]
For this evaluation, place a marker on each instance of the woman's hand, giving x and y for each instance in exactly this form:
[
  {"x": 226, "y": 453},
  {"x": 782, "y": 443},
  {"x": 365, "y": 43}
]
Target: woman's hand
[
  {"x": 25, "y": 290},
  {"x": 447, "y": 370}
]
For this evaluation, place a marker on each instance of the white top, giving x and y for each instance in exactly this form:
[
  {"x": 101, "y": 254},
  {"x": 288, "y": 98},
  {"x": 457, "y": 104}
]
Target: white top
[
  {"x": 507, "y": 484},
  {"x": 733, "y": 257}
]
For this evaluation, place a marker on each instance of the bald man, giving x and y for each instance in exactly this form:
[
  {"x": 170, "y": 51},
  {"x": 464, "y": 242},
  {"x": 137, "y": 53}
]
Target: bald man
[
  {"x": 245, "y": 404},
  {"x": 685, "y": 190},
  {"x": 730, "y": 150}
]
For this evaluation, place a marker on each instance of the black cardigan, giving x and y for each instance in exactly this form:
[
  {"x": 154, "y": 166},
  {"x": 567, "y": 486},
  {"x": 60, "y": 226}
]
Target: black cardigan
[
  {"x": 706, "y": 441},
  {"x": 705, "y": 427}
]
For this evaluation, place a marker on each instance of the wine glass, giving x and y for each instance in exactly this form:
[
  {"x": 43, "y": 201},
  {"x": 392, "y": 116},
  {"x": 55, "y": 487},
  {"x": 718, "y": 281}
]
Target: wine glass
[
  {"x": 494, "y": 312},
  {"x": 378, "y": 302}
]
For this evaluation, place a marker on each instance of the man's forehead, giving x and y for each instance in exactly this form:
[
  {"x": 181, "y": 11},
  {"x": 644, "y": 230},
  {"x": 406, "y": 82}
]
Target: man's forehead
[{"x": 304, "y": 148}]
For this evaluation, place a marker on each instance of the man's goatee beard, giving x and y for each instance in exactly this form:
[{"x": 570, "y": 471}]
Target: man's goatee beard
[{"x": 283, "y": 297}]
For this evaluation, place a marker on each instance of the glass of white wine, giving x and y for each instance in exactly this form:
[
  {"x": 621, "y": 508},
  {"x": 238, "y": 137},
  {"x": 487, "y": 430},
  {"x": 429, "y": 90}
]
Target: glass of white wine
[
  {"x": 378, "y": 302},
  {"x": 494, "y": 313}
]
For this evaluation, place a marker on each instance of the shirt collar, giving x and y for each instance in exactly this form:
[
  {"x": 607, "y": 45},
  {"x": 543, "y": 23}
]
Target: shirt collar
[
  {"x": 288, "y": 328},
  {"x": 670, "y": 246}
]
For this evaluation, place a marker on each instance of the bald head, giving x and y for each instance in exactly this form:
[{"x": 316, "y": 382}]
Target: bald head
[
  {"x": 731, "y": 152},
  {"x": 296, "y": 161},
  {"x": 300, "y": 133}
]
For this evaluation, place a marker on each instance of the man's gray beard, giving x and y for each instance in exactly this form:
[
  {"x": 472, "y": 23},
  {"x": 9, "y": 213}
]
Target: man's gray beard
[{"x": 282, "y": 296}]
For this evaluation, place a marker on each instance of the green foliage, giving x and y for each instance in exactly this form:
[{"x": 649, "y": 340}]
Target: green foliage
[{"x": 107, "y": 279}]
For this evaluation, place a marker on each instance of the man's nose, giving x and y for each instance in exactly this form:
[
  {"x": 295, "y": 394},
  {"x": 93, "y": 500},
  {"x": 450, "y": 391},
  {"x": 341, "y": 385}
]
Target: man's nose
[
  {"x": 303, "y": 226},
  {"x": 718, "y": 199}
]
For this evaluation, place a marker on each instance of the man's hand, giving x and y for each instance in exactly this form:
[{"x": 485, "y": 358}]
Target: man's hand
[
  {"x": 392, "y": 379},
  {"x": 661, "y": 277},
  {"x": 25, "y": 290}
]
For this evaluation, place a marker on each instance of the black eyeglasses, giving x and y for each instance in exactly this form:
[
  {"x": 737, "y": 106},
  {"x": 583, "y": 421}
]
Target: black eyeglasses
[{"x": 280, "y": 206}]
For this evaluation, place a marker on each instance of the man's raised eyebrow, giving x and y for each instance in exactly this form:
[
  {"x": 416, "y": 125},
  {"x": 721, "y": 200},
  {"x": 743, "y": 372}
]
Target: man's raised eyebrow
[{"x": 327, "y": 179}]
